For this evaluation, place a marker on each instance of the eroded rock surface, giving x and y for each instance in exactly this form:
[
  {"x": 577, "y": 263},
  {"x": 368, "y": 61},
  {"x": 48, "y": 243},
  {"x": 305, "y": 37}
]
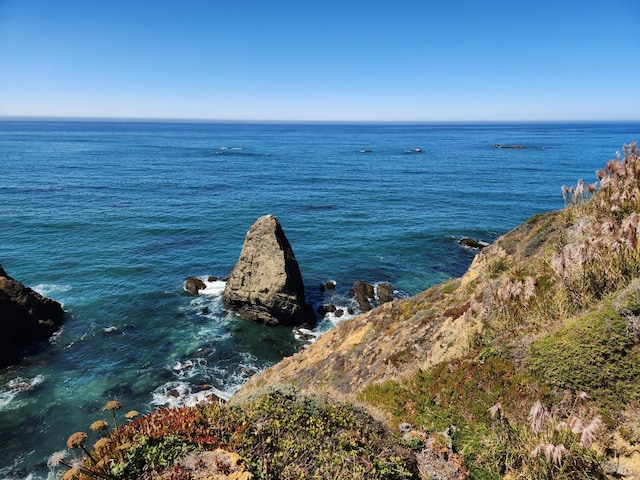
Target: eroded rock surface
[{"x": 266, "y": 284}]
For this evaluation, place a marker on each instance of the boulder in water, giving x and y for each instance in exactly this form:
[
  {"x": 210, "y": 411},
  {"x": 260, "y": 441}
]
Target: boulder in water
[
  {"x": 471, "y": 243},
  {"x": 266, "y": 284},
  {"x": 363, "y": 292},
  {"x": 26, "y": 318},
  {"x": 193, "y": 285}
]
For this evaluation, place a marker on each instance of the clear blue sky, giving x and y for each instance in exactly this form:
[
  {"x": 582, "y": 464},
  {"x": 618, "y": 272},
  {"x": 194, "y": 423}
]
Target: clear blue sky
[{"x": 345, "y": 60}]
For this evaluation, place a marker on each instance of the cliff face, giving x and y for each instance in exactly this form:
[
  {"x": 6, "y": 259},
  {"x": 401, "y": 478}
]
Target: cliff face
[{"x": 440, "y": 324}]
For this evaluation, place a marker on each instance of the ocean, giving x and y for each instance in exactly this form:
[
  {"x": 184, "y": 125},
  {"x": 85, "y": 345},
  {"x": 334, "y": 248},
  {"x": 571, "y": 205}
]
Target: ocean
[{"x": 109, "y": 218}]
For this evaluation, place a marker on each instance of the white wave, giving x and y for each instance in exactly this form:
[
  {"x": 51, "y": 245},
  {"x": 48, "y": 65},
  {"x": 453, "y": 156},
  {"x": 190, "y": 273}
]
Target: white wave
[
  {"x": 20, "y": 384},
  {"x": 215, "y": 288},
  {"x": 47, "y": 289},
  {"x": 190, "y": 368},
  {"x": 14, "y": 388},
  {"x": 6, "y": 399},
  {"x": 181, "y": 394}
]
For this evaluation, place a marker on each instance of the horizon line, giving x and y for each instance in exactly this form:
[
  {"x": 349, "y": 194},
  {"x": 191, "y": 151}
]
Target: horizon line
[{"x": 63, "y": 118}]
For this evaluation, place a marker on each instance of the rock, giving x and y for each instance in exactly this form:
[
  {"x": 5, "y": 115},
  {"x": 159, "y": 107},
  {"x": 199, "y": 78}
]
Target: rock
[
  {"x": 471, "y": 243},
  {"x": 26, "y": 318},
  {"x": 328, "y": 285},
  {"x": 497, "y": 145},
  {"x": 193, "y": 285},
  {"x": 324, "y": 309},
  {"x": 266, "y": 284},
  {"x": 363, "y": 292},
  {"x": 385, "y": 292}
]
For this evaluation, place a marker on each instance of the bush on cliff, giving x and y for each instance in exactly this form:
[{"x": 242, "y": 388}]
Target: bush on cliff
[{"x": 279, "y": 434}]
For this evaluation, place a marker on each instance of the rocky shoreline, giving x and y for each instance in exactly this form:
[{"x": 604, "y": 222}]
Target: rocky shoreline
[{"x": 26, "y": 318}]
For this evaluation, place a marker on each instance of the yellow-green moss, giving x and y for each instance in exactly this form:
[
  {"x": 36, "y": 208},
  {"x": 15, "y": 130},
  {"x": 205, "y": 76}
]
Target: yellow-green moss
[{"x": 594, "y": 353}]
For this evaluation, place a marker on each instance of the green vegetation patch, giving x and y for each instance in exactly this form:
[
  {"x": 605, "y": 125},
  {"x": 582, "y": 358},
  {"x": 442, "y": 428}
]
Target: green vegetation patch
[
  {"x": 279, "y": 433},
  {"x": 595, "y": 353},
  {"x": 458, "y": 393},
  {"x": 292, "y": 436}
]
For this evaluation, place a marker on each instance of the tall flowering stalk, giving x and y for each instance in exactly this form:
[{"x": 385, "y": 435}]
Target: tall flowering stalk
[{"x": 550, "y": 447}]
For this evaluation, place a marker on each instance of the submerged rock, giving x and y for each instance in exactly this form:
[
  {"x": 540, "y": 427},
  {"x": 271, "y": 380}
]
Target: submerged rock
[
  {"x": 471, "y": 243},
  {"x": 26, "y": 318},
  {"x": 266, "y": 284}
]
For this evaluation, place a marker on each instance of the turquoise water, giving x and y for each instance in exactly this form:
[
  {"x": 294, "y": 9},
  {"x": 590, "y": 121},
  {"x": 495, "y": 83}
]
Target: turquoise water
[{"x": 109, "y": 218}]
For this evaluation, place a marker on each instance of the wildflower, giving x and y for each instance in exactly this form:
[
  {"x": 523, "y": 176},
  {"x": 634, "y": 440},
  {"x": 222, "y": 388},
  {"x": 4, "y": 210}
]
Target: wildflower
[
  {"x": 591, "y": 431},
  {"x": 112, "y": 405},
  {"x": 71, "y": 473},
  {"x": 76, "y": 440},
  {"x": 56, "y": 458},
  {"x": 99, "y": 425},
  {"x": 579, "y": 189},
  {"x": 549, "y": 448},
  {"x": 536, "y": 450},
  {"x": 575, "y": 424},
  {"x": 131, "y": 414},
  {"x": 496, "y": 410},
  {"x": 582, "y": 396},
  {"x": 529, "y": 288},
  {"x": 101, "y": 443},
  {"x": 537, "y": 416},
  {"x": 559, "y": 451}
]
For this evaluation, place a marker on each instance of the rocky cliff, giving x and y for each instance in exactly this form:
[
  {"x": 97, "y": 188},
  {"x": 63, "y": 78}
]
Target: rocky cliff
[{"x": 26, "y": 318}]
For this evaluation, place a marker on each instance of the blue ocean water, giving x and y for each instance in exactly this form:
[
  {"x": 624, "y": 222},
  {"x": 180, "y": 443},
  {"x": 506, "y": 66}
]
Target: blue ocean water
[{"x": 109, "y": 218}]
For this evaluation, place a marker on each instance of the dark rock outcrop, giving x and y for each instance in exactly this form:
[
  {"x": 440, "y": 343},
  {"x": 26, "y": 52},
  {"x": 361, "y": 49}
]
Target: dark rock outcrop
[
  {"x": 193, "y": 285},
  {"x": 363, "y": 292},
  {"x": 327, "y": 286},
  {"x": 324, "y": 309},
  {"x": 471, "y": 243},
  {"x": 266, "y": 284},
  {"x": 385, "y": 292},
  {"x": 26, "y": 318}
]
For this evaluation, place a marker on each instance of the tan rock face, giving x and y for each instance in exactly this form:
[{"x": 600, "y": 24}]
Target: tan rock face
[{"x": 266, "y": 284}]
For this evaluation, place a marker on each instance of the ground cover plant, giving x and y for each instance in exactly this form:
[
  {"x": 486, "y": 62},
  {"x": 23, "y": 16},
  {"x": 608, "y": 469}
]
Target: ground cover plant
[{"x": 279, "y": 434}]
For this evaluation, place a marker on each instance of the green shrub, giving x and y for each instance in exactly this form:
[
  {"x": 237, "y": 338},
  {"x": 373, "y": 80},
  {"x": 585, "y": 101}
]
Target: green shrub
[
  {"x": 280, "y": 434},
  {"x": 294, "y": 436},
  {"x": 594, "y": 353}
]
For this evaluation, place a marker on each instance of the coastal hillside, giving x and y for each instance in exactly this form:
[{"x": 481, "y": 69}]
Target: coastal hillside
[{"x": 528, "y": 366}]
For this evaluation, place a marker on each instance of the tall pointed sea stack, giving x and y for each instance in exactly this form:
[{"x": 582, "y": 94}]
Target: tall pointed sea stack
[{"x": 266, "y": 284}]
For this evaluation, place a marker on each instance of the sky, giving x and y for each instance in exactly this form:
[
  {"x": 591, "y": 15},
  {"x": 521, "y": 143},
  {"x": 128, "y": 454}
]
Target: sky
[{"x": 304, "y": 60}]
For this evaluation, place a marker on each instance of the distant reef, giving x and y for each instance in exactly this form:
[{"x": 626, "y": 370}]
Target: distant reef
[{"x": 26, "y": 318}]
